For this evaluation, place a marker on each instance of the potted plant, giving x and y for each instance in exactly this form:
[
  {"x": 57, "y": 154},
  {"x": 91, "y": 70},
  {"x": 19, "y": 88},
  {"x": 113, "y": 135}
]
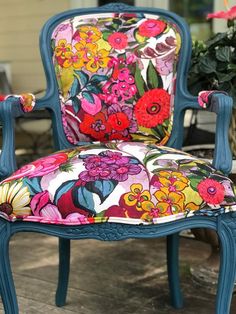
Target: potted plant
[{"x": 213, "y": 63}]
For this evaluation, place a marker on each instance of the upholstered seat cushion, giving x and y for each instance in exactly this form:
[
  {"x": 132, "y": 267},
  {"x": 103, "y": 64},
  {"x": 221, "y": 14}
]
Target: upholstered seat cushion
[{"x": 127, "y": 182}]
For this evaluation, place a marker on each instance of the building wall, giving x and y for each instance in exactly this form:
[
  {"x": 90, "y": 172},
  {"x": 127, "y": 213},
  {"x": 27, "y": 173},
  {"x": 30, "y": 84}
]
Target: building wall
[{"x": 20, "y": 25}]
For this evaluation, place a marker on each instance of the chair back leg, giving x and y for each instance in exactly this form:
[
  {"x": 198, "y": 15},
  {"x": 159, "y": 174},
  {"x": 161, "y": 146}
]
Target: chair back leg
[
  {"x": 63, "y": 271},
  {"x": 176, "y": 297}
]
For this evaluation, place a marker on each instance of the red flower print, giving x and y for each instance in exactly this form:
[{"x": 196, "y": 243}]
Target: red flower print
[
  {"x": 96, "y": 126},
  {"x": 152, "y": 108},
  {"x": 67, "y": 205},
  {"x": 119, "y": 136},
  {"x": 119, "y": 121},
  {"x": 211, "y": 191},
  {"x": 118, "y": 40},
  {"x": 151, "y": 28}
]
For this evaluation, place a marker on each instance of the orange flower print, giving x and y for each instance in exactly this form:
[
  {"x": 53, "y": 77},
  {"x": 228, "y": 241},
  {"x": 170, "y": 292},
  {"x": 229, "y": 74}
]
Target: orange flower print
[
  {"x": 97, "y": 59},
  {"x": 137, "y": 196},
  {"x": 90, "y": 34},
  {"x": 172, "y": 180},
  {"x": 62, "y": 48},
  {"x": 73, "y": 59},
  {"x": 86, "y": 49},
  {"x": 169, "y": 203},
  {"x": 151, "y": 210}
]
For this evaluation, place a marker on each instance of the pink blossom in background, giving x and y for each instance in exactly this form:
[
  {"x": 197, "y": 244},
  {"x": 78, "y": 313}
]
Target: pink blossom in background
[{"x": 227, "y": 15}]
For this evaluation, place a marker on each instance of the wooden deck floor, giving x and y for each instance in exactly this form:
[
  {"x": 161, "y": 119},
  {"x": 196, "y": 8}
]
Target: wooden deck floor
[{"x": 124, "y": 277}]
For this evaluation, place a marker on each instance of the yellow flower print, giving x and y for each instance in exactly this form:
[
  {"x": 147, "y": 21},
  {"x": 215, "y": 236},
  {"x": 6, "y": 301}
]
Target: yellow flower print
[
  {"x": 97, "y": 60},
  {"x": 169, "y": 202},
  {"x": 62, "y": 48},
  {"x": 86, "y": 49},
  {"x": 89, "y": 33},
  {"x": 14, "y": 199},
  {"x": 172, "y": 180},
  {"x": 151, "y": 210},
  {"x": 136, "y": 196},
  {"x": 191, "y": 207},
  {"x": 73, "y": 59}
]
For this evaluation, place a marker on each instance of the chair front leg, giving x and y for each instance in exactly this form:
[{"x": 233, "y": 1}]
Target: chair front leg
[
  {"x": 7, "y": 287},
  {"x": 227, "y": 272},
  {"x": 173, "y": 270},
  {"x": 63, "y": 271}
]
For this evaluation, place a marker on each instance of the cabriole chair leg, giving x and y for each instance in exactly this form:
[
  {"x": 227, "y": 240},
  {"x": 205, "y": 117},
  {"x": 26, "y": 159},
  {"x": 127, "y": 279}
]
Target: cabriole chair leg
[
  {"x": 7, "y": 287},
  {"x": 63, "y": 272},
  {"x": 227, "y": 272},
  {"x": 173, "y": 270}
]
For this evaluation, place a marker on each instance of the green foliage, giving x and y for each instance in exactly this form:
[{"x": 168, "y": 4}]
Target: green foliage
[{"x": 213, "y": 63}]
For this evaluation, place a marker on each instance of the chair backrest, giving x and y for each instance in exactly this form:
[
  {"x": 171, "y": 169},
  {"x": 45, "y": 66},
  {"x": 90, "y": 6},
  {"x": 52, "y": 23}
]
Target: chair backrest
[{"x": 115, "y": 70}]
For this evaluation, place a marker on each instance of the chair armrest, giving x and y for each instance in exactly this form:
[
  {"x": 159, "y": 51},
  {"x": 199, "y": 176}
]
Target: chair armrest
[
  {"x": 221, "y": 104},
  {"x": 12, "y": 107}
]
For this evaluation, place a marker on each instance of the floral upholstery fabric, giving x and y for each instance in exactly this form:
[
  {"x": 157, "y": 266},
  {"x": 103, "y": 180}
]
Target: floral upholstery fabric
[
  {"x": 116, "y": 75},
  {"x": 125, "y": 182},
  {"x": 27, "y": 101}
]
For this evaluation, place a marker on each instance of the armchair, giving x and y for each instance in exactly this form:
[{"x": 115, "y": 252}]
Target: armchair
[{"x": 116, "y": 91}]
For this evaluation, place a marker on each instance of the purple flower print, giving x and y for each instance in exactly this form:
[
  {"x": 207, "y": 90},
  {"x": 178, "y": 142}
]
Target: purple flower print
[
  {"x": 96, "y": 172},
  {"x": 121, "y": 172},
  {"x": 108, "y": 165},
  {"x": 93, "y": 159},
  {"x": 164, "y": 64},
  {"x": 114, "y": 158}
]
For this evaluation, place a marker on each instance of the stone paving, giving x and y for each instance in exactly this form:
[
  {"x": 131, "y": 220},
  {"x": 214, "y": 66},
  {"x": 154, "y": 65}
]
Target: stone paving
[{"x": 124, "y": 277}]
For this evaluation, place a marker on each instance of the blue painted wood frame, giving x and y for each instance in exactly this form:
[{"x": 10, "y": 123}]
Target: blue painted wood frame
[{"x": 225, "y": 225}]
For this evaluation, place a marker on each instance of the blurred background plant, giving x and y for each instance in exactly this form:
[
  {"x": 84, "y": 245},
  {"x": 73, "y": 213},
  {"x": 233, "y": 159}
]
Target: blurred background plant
[{"x": 213, "y": 64}]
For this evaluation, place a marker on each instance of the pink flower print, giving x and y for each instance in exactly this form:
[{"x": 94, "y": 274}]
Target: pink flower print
[
  {"x": 91, "y": 108},
  {"x": 118, "y": 40},
  {"x": 48, "y": 164},
  {"x": 41, "y": 206},
  {"x": 131, "y": 58},
  {"x": 151, "y": 28},
  {"x": 123, "y": 74},
  {"x": 51, "y": 212},
  {"x": 40, "y": 167},
  {"x": 108, "y": 97},
  {"x": 211, "y": 191},
  {"x": 123, "y": 91},
  {"x": 76, "y": 218},
  {"x": 39, "y": 201}
]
